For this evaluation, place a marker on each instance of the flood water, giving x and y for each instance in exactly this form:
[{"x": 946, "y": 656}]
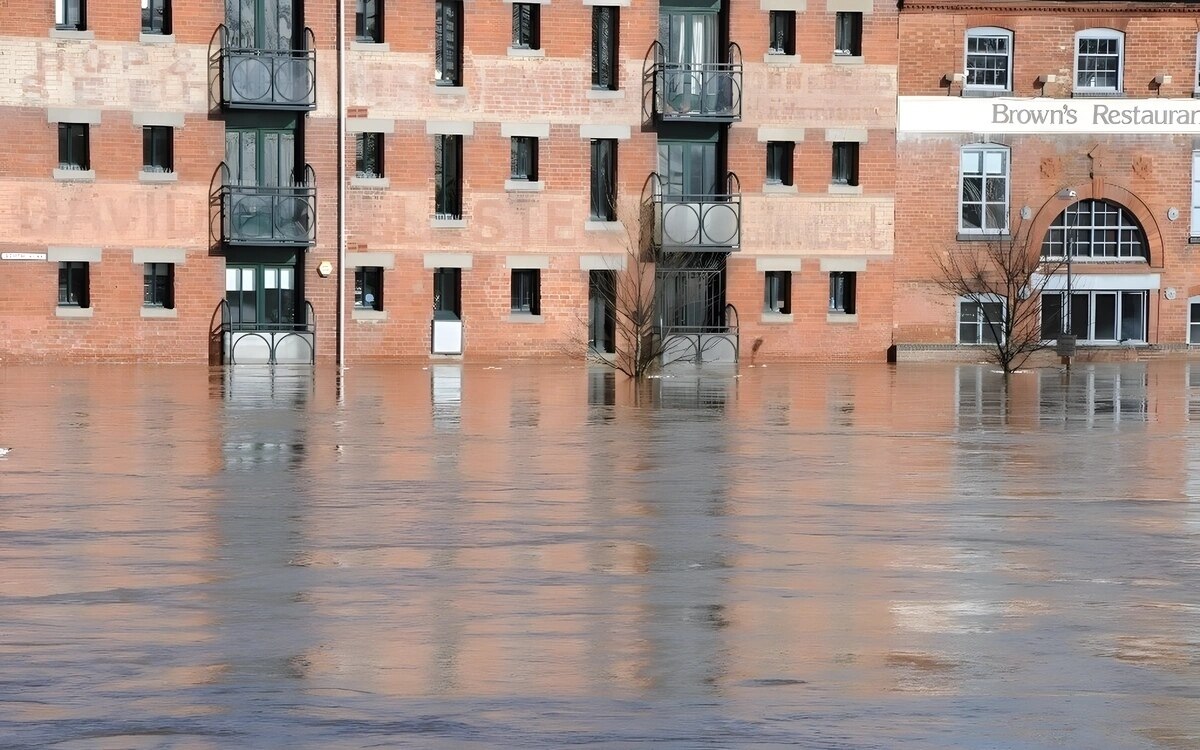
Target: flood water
[{"x": 540, "y": 556}]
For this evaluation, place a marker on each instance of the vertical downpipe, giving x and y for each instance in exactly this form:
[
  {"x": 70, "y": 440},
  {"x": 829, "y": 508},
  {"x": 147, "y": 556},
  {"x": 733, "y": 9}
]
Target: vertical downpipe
[{"x": 341, "y": 190}]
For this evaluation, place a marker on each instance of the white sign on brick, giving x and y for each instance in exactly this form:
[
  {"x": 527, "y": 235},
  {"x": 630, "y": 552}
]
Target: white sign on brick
[{"x": 953, "y": 114}]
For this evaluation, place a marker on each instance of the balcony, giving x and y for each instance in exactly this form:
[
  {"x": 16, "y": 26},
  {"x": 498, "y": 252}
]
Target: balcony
[
  {"x": 257, "y": 78},
  {"x": 693, "y": 92},
  {"x": 275, "y": 216},
  {"x": 697, "y": 223}
]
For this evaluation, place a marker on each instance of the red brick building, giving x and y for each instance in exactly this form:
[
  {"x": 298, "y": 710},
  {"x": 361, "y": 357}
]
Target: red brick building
[
  {"x": 172, "y": 178},
  {"x": 1074, "y": 123}
]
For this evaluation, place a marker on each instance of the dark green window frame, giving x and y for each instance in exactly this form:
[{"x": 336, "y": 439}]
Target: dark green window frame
[
  {"x": 158, "y": 149},
  {"x": 368, "y": 288},
  {"x": 158, "y": 285},
  {"x": 603, "y": 206},
  {"x": 73, "y": 284},
  {"x": 606, "y": 24},
  {"x": 845, "y": 163},
  {"x": 156, "y": 17},
  {"x": 780, "y": 156},
  {"x": 448, "y": 43},
  {"x": 777, "y": 292},
  {"x": 524, "y": 158},
  {"x": 848, "y": 34},
  {"x": 368, "y": 21},
  {"x": 447, "y": 176},
  {"x": 70, "y": 15},
  {"x": 368, "y": 155},
  {"x": 73, "y": 146},
  {"x": 526, "y": 292},
  {"x": 782, "y": 33},
  {"x": 842, "y": 292},
  {"x": 526, "y": 26}
]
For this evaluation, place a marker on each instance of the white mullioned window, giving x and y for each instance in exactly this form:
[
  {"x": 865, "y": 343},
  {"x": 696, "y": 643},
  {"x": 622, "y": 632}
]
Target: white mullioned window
[
  {"x": 983, "y": 189},
  {"x": 1195, "y": 230},
  {"x": 980, "y": 320},
  {"x": 1095, "y": 230},
  {"x": 989, "y": 59},
  {"x": 1099, "y": 60}
]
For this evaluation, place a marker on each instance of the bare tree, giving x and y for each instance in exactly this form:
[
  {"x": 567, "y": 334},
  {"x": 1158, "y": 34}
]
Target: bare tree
[
  {"x": 639, "y": 303},
  {"x": 1003, "y": 279}
]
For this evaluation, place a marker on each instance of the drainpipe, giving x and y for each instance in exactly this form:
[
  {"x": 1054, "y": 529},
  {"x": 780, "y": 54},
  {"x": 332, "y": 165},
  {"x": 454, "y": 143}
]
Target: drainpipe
[{"x": 341, "y": 188}]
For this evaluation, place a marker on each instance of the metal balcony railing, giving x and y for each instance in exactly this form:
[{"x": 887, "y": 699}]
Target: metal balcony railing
[
  {"x": 262, "y": 215},
  {"x": 265, "y": 343},
  {"x": 256, "y": 78},
  {"x": 699, "y": 222},
  {"x": 694, "y": 92}
]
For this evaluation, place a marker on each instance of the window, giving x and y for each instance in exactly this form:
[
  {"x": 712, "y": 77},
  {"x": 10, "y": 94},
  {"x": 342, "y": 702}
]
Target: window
[
  {"x": 983, "y": 200},
  {"x": 1194, "y": 321},
  {"x": 526, "y": 291},
  {"x": 783, "y": 33},
  {"x": 1098, "y": 60},
  {"x": 1095, "y": 230},
  {"x": 1099, "y": 316},
  {"x": 1196, "y": 76},
  {"x": 604, "y": 180},
  {"x": 447, "y": 176},
  {"x": 71, "y": 14},
  {"x": 841, "y": 292},
  {"x": 989, "y": 59},
  {"x": 1195, "y": 231},
  {"x": 73, "y": 146},
  {"x": 845, "y": 163},
  {"x": 848, "y": 34},
  {"x": 605, "y": 24},
  {"x": 368, "y": 155},
  {"x": 447, "y": 43},
  {"x": 73, "y": 285},
  {"x": 156, "y": 16},
  {"x": 368, "y": 21},
  {"x": 779, "y": 162},
  {"x": 777, "y": 292},
  {"x": 524, "y": 158},
  {"x": 526, "y": 26},
  {"x": 368, "y": 288},
  {"x": 158, "y": 285},
  {"x": 980, "y": 321},
  {"x": 158, "y": 149},
  {"x": 447, "y": 293}
]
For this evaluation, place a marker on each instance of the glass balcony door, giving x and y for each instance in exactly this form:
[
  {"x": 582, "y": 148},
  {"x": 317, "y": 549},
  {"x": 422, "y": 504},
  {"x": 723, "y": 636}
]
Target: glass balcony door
[
  {"x": 261, "y": 157},
  {"x": 261, "y": 296},
  {"x": 690, "y": 41},
  {"x": 261, "y": 24},
  {"x": 688, "y": 169}
]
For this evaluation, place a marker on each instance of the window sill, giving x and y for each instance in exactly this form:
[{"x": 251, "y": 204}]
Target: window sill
[
  {"x": 158, "y": 177},
  {"x": 774, "y": 318},
  {"x": 524, "y": 186},
  {"x": 780, "y": 59},
  {"x": 159, "y": 312},
  {"x": 982, "y": 237},
  {"x": 75, "y": 175},
  {"x": 370, "y": 316},
  {"x": 840, "y": 317},
  {"x": 72, "y": 312},
  {"x": 984, "y": 93},
  {"x": 1096, "y": 94},
  {"x": 605, "y": 94},
  {"x": 378, "y": 183},
  {"x": 448, "y": 90},
  {"x": 836, "y": 189},
  {"x": 145, "y": 38},
  {"x": 72, "y": 34},
  {"x": 359, "y": 45},
  {"x": 778, "y": 188},
  {"x": 848, "y": 60},
  {"x": 525, "y": 52},
  {"x": 448, "y": 223},
  {"x": 595, "y": 225},
  {"x": 523, "y": 317}
]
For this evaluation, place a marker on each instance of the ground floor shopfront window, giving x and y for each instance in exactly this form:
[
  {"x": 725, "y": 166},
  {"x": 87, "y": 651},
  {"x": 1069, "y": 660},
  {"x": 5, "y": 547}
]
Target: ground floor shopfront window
[{"x": 1098, "y": 317}]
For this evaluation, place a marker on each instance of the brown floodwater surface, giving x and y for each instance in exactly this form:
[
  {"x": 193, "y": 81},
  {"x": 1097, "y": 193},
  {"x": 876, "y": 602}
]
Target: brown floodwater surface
[{"x": 544, "y": 556}]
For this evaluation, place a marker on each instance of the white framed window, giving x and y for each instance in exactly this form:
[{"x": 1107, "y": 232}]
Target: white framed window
[
  {"x": 983, "y": 189},
  {"x": 1195, "y": 230},
  {"x": 981, "y": 320},
  {"x": 1095, "y": 230},
  {"x": 1194, "y": 320},
  {"x": 1097, "y": 317},
  {"x": 1099, "y": 61},
  {"x": 989, "y": 59}
]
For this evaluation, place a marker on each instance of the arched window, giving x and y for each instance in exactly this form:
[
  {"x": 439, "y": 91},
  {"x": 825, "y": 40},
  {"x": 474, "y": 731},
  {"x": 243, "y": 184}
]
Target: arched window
[
  {"x": 1099, "y": 61},
  {"x": 989, "y": 59},
  {"x": 1095, "y": 230}
]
